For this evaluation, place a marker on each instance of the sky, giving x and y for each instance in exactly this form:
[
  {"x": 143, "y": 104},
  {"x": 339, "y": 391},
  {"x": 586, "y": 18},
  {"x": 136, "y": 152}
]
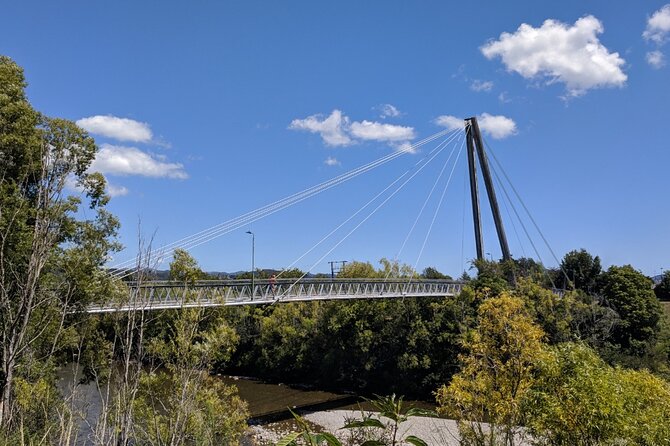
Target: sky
[{"x": 206, "y": 111}]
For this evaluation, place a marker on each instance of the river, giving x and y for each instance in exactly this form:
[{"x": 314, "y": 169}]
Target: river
[{"x": 267, "y": 402}]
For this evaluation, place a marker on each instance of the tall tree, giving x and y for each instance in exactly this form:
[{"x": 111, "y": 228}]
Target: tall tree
[
  {"x": 662, "y": 290},
  {"x": 496, "y": 375},
  {"x": 629, "y": 292},
  {"x": 184, "y": 268},
  {"x": 433, "y": 273},
  {"x": 41, "y": 236},
  {"x": 581, "y": 269}
]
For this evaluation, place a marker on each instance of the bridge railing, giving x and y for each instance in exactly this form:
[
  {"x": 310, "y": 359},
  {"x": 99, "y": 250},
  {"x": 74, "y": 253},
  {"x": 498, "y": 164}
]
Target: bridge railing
[{"x": 169, "y": 294}]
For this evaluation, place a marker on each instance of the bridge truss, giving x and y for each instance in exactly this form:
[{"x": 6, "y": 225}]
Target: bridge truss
[{"x": 163, "y": 295}]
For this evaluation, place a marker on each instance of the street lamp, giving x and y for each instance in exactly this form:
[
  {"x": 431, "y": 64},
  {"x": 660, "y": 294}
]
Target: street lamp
[{"x": 253, "y": 262}]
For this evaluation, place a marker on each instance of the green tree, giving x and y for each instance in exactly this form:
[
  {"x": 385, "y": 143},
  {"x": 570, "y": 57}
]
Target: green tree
[
  {"x": 50, "y": 258},
  {"x": 433, "y": 273},
  {"x": 581, "y": 269},
  {"x": 180, "y": 403},
  {"x": 390, "y": 269},
  {"x": 662, "y": 290},
  {"x": 496, "y": 375},
  {"x": 630, "y": 293},
  {"x": 184, "y": 268},
  {"x": 490, "y": 277},
  {"x": 553, "y": 313},
  {"x": 358, "y": 270},
  {"x": 579, "y": 400}
]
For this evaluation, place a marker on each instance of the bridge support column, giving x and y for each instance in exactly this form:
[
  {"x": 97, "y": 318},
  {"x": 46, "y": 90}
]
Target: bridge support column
[{"x": 474, "y": 140}]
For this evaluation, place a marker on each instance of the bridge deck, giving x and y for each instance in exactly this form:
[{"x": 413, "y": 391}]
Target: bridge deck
[{"x": 157, "y": 295}]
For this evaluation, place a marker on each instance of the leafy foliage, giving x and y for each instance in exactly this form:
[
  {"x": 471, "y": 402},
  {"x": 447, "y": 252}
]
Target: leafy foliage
[
  {"x": 662, "y": 290},
  {"x": 390, "y": 408},
  {"x": 433, "y": 273},
  {"x": 579, "y": 270},
  {"x": 496, "y": 375},
  {"x": 203, "y": 411},
  {"x": 51, "y": 256},
  {"x": 579, "y": 400},
  {"x": 308, "y": 437},
  {"x": 379, "y": 431},
  {"x": 630, "y": 293}
]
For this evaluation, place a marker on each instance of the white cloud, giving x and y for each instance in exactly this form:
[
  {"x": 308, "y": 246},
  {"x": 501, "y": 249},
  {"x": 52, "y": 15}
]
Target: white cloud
[
  {"x": 122, "y": 129},
  {"x": 479, "y": 86},
  {"x": 116, "y": 191},
  {"x": 120, "y": 160},
  {"x": 330, "y": 161},
  {"x": 376, "y": 131},
  {"x": 557, "y": 52},
  {"x": 338, "y": 130},
  {"x": 656, "y": 59},
  {"x": 497, "y": 126},
  {"x": 388, "y": 111},
  {"x": 332, "y": 129},
  {"x": 450, "y": 122},
  {"x": 658, "y": 25}
]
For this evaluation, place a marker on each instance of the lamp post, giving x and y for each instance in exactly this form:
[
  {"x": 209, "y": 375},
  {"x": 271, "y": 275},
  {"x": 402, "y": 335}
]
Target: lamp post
[{"x": 253, "y": 262}]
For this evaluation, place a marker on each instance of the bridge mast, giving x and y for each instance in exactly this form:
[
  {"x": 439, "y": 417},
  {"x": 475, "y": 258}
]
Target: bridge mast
[
  {"x": 474, "y": 140},
  {"x": 474, "y": 191}
]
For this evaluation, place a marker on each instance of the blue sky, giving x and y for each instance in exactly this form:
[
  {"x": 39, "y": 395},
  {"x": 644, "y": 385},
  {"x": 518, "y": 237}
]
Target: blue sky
[{"x": 207, "y": 110}]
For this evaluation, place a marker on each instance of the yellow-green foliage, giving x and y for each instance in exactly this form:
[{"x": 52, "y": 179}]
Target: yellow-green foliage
[
  {"x": 202, "y": 412},
  {"x": 34, "y": 402},
  {"x": 497, "y": 372},
  {"x": 41, "y": 417},
  {"x": 563, "y": 395},
  {"x": 580, "y": 400}
]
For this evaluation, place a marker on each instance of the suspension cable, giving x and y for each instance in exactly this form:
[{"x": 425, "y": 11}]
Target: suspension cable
[
  {"x": 439, "y": 147},
  {"x": 386, "y": 200},
  {"x": 518, "y": 196},
  {"x": 223, "y": 228},
  {"x": 439, "y": 205},
  {"x": 420, "y": 213}
]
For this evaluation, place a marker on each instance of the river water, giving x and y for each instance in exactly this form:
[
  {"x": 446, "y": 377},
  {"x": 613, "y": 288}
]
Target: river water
[{"x": 267, "y": 402}]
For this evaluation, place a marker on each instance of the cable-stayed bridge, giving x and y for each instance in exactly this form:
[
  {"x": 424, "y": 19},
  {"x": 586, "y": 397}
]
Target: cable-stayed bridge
[{"x": 165, "y": 295}]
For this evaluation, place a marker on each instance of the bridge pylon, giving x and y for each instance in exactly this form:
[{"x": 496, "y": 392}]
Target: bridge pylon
[{"x": 475, "y": 144}]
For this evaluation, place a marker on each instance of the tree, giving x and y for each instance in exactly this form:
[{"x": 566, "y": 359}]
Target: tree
[
  {"x": 390, "y": 269},
  {"x": 358, "y": 270},
  {"x": 490, "y": 277},
  {"x": 50, "y": 259},
  {"x": 581, "y": 269},
  {"x": 662, "y": 290},
  {"x": 178, "y": 402},
  {"x": 553, "y": 313},
  {"x": 184, "y": 268},
  {"x": 496, "y": 375},
  {"x": 579, "y": 400},
  {"x": 433, "y": 273},
  {"x": 630, "y": 293}
]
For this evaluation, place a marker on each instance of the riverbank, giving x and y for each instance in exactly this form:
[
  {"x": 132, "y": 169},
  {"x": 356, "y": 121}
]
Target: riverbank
[{"x": 434, "y": 431}]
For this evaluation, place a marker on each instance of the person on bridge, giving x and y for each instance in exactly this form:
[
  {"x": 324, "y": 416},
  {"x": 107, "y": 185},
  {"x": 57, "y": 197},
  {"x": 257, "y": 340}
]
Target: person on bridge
[{"x": 273, "y": 283}]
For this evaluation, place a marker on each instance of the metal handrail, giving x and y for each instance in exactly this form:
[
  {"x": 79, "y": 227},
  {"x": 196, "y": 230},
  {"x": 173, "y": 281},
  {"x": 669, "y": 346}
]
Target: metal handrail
[{"x": 164, "y": 294}]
